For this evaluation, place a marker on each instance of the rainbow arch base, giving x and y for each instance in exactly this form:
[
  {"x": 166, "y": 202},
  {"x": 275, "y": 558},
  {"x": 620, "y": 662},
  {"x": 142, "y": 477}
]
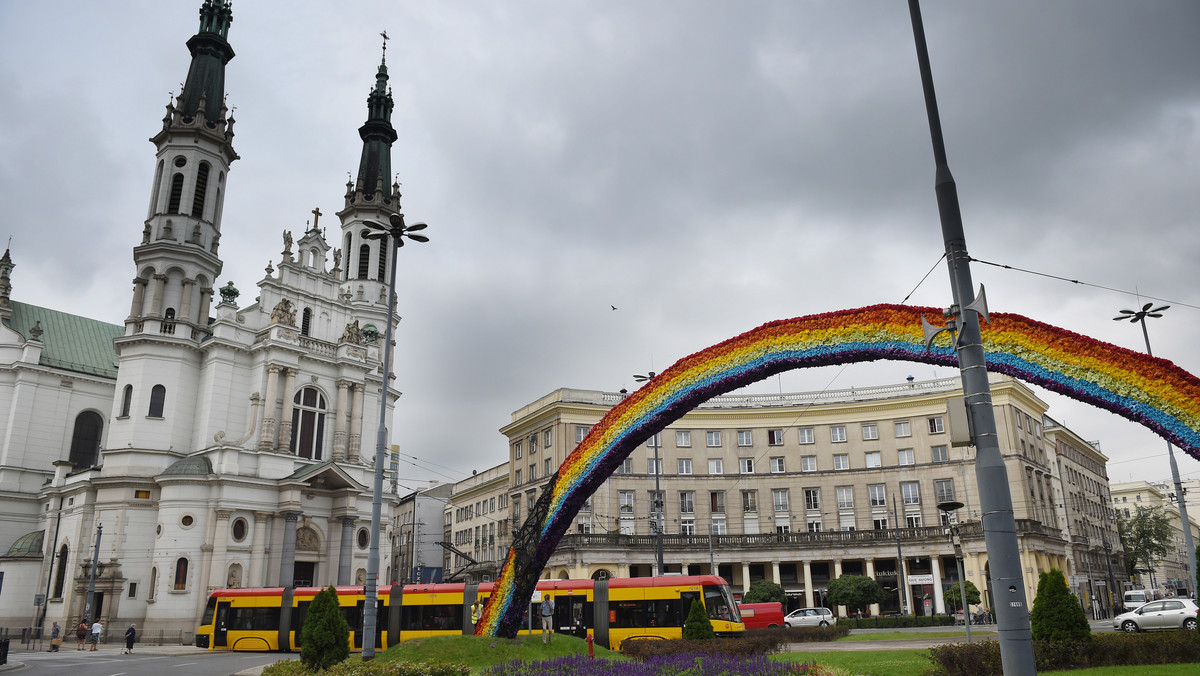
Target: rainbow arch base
[{"x": 1147, "y": 390}]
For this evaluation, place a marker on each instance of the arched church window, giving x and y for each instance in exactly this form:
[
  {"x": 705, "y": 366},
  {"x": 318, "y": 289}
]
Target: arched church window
[
  {"x": 308, "y": 423},
  {"x": 346, "y": 251},
  {"x": 170, "y": 313},
  {"x": 305, "y": 322},
  {"x": 158, "y": 401},
  {"x": 126, "y": 401},
  {"x": 60, "y": 576},
  {"x": 364, "y": 261},
  {"x": 201, "y": 190},
  {"x": 181, "y": 567},
  {"x": 176, "y": 193},
  {"x": 383, "y": 258},
  {"x": 85, "y": 440}
]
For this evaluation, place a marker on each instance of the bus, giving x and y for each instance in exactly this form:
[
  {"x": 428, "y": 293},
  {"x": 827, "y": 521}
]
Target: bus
[{"x": 611, "y": 611}]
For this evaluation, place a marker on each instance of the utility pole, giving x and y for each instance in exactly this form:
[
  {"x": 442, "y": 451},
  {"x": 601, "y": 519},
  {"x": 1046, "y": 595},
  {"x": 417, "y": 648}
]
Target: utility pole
[{"x": 901, "y": 578}]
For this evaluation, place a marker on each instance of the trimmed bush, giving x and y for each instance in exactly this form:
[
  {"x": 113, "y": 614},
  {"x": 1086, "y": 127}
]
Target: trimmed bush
[
  {"x": 373, "y": 668},
  {"x": 1101, "y": 650},
  {"x": 897, "y": 622},
  {"x": 647, "y": 648},
  {"x": 697, "y": 626},
  {"x": 854, "y": 591},
  {"x": 325, "y": 638},
  {"x": 1057, "y": 615},
  {"x": 765, "y": 591}
]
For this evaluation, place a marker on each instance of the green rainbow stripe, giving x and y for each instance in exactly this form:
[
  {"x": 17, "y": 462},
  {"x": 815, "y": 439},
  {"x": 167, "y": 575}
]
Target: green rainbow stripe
[{"x": 1146, "y": 390}]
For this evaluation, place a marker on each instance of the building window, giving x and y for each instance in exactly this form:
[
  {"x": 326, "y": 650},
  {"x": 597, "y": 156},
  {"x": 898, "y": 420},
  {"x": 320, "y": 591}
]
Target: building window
[
  {"x": 364, "y": 261},
  {"x": 126, "y": 401},
  {"x": 935, "y": 425},
  {"x": 778, "y": 465},
  {"x": 913, "y": 520},
  {"x": 814, "y": 524},
  {"x": 841, "y": 461},
  {"x": 363, "y": 538},
  {"x": 176, "y": 194},
  {"x": 879, "y": 522},
  {"x": 1018, "y": 416},
  {"x": 716, "y": 466},
  {"x": 580, "y": 432},
  {"x": 775, "y": 437},
  {"x": 85, "y": 440},
  {"x": 683, "y": 466},
  {"x": 158, "y": 401},
  {"x": 153, "y": 583},
  {"x": 837, "y": 434},
  {"x": 716, "y": 502},
  {"x": 878, "y": 495},
  {"x": 749, "y": 501},
  {"x": 586, "y": 507},
  {"x": 746, "y": 465},
  {"x": 713, "y": 438},
  {"x": 941, "y": 454},
  {"x": 874, "y": 459},
  {"x": 687, "y": 502},
  {"x": 60, "y": 576},
  {"x": 517, "y": 450},
  {"x": 517, "y": 477},
  {"x": 943, "y": 490},
  {"x": 782, "y": 529},
  {"x": 306, "y": 322},
  {"x": 687, "y": 526},
  {"x": 745, "y": 438},
  {"x": 812, "y": 498},
  {"x": 655, "y": 441},
  {"x": 903, "y": 429},
  {"x": 384, "y": 247},
  {"x": 904, "y": 456},
  {"x": 846, "y": 522},
  {"x": 181, "y": 567},
  {"x": 626, "y": 501},
  {"x": 532, "y": 443},
  {"x": 653, "y": 466},
  {"x": 239, "y": 529},
  {"x": 548, "y": 437},
  {"x": 532, "y": 471},
  {"x": 845, "y": 497},
  {"x": 201, "y": 190},
  {"x": 808, "y": 463},
  {"x": 870, "y": 432},
  {"x": 656, "y": 502},
  {"x": 718, "y": 525},
  {"x": 806, "y": 435},
  {"x": 683, "y": 438},
  {"x": 548, "y": 467},
  {"x": 911, "y": 493},
  {"x": 626, "y": 467},
  {"x": 779, "y": 499},
  {"x": 308, "y": 423}
]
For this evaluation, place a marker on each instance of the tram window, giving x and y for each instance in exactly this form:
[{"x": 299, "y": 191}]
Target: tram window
[
  {"x": 715, "y": 604},
  {"x": 630, "y": 614},
  {"x": 253, "y": 619},
  {"x": 207, "y": 618},
  {"x": 432, "y": 618}
]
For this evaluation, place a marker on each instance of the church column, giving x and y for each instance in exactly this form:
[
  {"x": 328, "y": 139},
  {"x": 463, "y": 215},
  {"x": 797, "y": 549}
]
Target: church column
[
  {"x": 939, "y": 603},
  {"x": 266, "y": 440},
  {"x": 185, "y": 303},
  {"x": 871, "y": 574},
  {"x": 287, "y": 564},
  {"x": 345, "y": 555},
  {"x": 356, "y": 411},
  {"x": 808, "y": 586},
  {"x": 840, "y": 611},
  {"x": 206, "y": 293},
  {"x": 259, "y": 555},
  {"x": 339, "y": 421},
  {"x": 745, "y": 577},
  {"x": 156, "y": 300},
  {"x": 139, "y": 296},
  {"x": 285, "y": 418},
  {"x": 218, "y": 572}
]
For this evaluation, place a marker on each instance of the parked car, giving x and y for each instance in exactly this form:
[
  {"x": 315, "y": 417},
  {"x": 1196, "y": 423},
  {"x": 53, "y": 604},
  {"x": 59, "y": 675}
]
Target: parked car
[
  {"x": 810, "y": 617},
  {"x": 1164, "y": 614},
  {"x": 761, "y": 615}
]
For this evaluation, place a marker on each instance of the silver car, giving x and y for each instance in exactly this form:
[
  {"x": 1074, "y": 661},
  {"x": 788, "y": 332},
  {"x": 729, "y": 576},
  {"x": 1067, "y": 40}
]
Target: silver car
[
  {"x": 810, "y": 617},
  {"x": 1164, "y": 614}
]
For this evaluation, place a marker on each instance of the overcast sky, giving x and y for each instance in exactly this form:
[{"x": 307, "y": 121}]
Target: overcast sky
[{"x": 703, "y": 166}]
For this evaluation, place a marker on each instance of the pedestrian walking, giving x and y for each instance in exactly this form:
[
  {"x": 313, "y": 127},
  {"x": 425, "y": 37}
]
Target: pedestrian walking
[
  {"x": 97, "y": 629},
  {"x": 55, "y": 637},
  {"x": 476, "y": 608},
  {"x": 81, "y": 633},
  {"x": 130, "y": 637},
  {"x": 547, "y": 619}
]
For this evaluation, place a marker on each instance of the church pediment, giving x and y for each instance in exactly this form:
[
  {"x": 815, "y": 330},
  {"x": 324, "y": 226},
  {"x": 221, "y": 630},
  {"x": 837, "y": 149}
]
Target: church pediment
[{"x": 326, "y": 476}]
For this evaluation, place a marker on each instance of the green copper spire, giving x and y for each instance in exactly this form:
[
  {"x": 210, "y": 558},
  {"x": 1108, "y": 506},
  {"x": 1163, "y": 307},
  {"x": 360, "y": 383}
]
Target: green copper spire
[
  {"x": 377, "y": 135},
  {"x": 204, "y": 92}
]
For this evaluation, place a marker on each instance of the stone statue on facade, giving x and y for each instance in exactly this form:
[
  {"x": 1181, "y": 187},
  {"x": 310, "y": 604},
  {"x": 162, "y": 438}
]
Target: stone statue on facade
[
  {"x": 353, "y": 334},
  {"x": 284, "y": 313}
]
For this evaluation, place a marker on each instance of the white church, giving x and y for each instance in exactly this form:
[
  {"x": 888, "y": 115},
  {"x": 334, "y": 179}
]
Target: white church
[{"x": 201, "y": 443}]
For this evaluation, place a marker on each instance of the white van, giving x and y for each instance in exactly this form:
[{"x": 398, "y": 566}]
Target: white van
[{"x": 1136, "y": 598}]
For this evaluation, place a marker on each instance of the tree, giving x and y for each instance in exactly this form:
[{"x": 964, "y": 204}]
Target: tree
[
  {"x": 1057, "y": 615},
  {"x": 325, "y": 637},
  {"x": 764, "y": 591},
  {"x": 697, "y": 626},
  {"x": 1146, "y": 537},
  {"x": 854, "y": 591},
  {"x": 951, "y": 594}
]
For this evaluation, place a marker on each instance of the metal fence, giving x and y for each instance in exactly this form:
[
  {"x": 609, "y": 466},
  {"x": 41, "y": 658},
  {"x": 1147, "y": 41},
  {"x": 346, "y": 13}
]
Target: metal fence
[{"x": 36, "y": 639}]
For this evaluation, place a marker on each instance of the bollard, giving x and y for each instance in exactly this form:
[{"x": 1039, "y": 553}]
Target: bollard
[{"x": 591, "y": 649}]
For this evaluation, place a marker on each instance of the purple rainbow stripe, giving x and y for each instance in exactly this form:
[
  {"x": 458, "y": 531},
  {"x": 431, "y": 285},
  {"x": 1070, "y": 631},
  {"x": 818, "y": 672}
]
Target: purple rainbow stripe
[{"x": 1150, "y": 391}]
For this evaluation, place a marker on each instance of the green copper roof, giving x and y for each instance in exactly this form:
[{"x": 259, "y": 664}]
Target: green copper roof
[
  {"x": 28, "y": 545},
  {"x": 196, "y": 464},
  {"x": 70, "y": 342}
]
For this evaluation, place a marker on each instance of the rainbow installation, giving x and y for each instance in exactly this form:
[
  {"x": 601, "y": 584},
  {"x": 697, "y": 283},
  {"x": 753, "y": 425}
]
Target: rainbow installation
[{"x": 1147, "y": 390}]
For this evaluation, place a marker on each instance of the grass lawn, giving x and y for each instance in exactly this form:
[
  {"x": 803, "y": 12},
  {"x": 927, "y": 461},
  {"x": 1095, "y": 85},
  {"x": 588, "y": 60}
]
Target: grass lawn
[
  {"x": 901, "y": 635},
  {"x": 1141, "y": 670},
  {"x": 480, "y": 653},
  {"x": 873, "y": 663}
]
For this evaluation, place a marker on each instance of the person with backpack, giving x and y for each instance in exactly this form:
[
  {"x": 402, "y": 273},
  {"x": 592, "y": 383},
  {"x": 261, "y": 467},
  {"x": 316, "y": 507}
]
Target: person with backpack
[{"x": 81, "y": 633}]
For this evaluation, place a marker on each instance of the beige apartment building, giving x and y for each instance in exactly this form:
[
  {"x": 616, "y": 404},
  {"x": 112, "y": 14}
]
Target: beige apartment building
[
  {"x": 477, "y": 526},
  {"x": 1171, "y": 574},
  {"x": 802, "y": 488}
]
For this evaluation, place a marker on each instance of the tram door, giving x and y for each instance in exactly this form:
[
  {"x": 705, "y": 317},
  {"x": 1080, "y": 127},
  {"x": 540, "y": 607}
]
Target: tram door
[
  {"x": 572, "y": 614},
  {"x": 221, "y": 625}
]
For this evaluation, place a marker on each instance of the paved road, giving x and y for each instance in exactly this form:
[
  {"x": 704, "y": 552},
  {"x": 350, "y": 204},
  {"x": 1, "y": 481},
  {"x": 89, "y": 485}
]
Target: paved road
[{"x": 145, "y": 661}]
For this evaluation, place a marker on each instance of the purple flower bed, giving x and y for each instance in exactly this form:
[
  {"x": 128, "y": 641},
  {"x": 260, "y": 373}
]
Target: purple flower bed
[{"x": 674, "y": 665}]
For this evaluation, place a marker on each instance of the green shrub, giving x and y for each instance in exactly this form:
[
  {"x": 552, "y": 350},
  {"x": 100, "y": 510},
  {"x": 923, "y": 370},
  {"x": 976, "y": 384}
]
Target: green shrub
[
  {"x": 758, "y": 644},
  {"x": 325, "y": 638},
  {"x": 804, "y": 634},
  {"x": 897, "y": 622},
  {"x": 854, "y": 591},
  {"x": 1057, "y": 615},
  {"x": 287, "y": 668},
  {"x": 982, "y": 658},
  {"x": 377, "y": 668},
  {"x": 697, "y": 626},
  {"x": 764, "y": 591}
]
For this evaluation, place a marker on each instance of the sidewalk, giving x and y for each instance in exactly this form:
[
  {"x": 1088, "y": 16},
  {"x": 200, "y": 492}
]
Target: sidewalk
[{"x": 17, "y": 651}]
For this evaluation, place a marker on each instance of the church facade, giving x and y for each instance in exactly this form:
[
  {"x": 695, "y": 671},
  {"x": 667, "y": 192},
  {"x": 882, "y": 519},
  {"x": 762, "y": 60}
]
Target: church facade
[{"x": 200, "y": 443}]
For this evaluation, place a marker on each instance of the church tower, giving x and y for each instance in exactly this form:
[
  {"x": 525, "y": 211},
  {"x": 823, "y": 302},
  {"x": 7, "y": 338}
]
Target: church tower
[{"x": 177, "y": 260}]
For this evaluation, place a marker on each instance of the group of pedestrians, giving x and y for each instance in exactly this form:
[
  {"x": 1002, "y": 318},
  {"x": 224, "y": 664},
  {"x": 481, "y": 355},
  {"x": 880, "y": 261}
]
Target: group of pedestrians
[{"x": 83, "y": 632}]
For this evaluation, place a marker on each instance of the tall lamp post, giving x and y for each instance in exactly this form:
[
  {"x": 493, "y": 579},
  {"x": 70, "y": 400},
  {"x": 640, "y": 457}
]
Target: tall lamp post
[
  {"x": 395, "y": 232},
  {"x": 1139, "y": 317},
  {"x": 658, "y": 501},
  {"x": 947, "y": 507}
]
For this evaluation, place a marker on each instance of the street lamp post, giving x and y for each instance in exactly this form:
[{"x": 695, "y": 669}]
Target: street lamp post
[
  {"x": 1139, "y": 317},
  {"x": 395, "y": 233},
  {"x": 900, "y": 576},
  {"x": 1108, "y": 601},
  {"x": 658, "y": 501},
  {"x": 947, "y": 507}
]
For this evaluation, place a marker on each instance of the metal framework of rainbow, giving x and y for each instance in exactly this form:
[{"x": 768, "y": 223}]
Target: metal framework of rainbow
[{"x": 1147, "y": 390}]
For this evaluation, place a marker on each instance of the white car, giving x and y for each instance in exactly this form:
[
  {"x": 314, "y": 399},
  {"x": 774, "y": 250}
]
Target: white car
[
  {"x": 810, "y": 617},
  {"x": 1164, "y": 614}
]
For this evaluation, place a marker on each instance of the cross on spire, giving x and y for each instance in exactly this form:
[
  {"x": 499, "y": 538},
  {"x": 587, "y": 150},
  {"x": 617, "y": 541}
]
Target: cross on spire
[{"x": 316, "y": 217}]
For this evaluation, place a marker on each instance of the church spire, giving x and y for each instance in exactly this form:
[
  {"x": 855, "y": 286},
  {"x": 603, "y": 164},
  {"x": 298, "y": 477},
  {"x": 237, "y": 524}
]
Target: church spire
[
  {"x": 204, "y": 91},
  {"x": 377, "y": 135}
]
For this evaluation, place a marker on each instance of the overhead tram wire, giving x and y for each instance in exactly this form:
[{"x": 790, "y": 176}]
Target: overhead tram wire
[
  {"x": 931, "y": 269},
  {"x": 1081, "y": 283}
]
